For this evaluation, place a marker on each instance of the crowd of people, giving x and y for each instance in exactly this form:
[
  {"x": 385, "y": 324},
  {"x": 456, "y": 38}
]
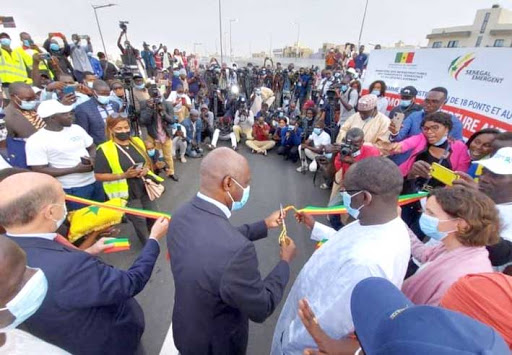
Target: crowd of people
[{"x": 434, "y": 276}]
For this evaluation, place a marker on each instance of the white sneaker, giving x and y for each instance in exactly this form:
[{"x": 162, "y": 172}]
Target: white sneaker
[
  {"x": 302, "y": 169},
  {"x": 265, "y": 152},
  {"x": 183, "y": 159}
]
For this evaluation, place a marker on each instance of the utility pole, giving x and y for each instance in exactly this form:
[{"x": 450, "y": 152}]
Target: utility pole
[
  {"x": 362, "y": 25},
  {"x": 220, "y": 32}
]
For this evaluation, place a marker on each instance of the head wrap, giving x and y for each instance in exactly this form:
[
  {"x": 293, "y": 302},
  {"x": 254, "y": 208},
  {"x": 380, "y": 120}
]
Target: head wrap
[
  {"x": 367, "y": 103},
  {"x": 485, "y": 297}
]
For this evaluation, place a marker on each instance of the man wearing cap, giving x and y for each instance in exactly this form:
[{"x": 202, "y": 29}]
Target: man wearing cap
[
  {"x": 376, "y": 244},
  {"x": 65, "y": 151},
  {"x": 496, "y": 182},
  {"x": 374, "y": 124},
  {"x": 386, "y": 322},
  {"x": 407, "y": 105},
  {"x": 208, "y": 123}
]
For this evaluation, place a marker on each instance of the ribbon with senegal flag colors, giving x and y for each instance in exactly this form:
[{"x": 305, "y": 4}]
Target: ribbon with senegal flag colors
[{"x": 402, "y": 200}]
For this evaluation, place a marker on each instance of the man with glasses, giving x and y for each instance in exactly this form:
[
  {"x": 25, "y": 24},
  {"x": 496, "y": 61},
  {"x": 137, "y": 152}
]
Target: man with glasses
[{"x": 376, "y": 244}]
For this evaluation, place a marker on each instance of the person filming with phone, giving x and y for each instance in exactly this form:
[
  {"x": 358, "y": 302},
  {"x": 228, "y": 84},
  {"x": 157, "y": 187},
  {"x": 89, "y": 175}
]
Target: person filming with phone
[
  {"x": 121, "y": 164},
  {"x": 65, "y": 151}
]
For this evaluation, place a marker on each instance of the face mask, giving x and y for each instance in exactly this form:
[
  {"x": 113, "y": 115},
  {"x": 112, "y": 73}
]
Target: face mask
[
  {"x": 89, "y": 54},
  {"x": 376, "y": 92},
  {"x": 441, "y": 141},
  {"x": 317, "y": 131},
  {"x": 103, "y": 99},
  {"x": 151, "y": 152},
  {"x": 176, "y": 74},
  {"x": 405, "y": 103},
  {"x": 237, "y": 205},
  {"x": 139, "y": 87},
  {"x": 122, "y": 136},
  {"x": 26, "y": 43},
  {"x": 5, "y": 42},
  {"x": 28, "y": 300},
  {"x": 347, "y": 201},
  {"x": 90, "y": 84},
  {"x": 429, "y": 225},
  {"x": 54, "y": 47},
  {"x": 344, "y": 88},
  {"x": 28, "y": 105},
  {"x": 58, "y": 222}
]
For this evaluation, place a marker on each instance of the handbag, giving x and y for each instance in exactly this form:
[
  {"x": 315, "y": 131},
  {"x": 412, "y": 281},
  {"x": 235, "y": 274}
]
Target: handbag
[{"x": 153, "y": 189}]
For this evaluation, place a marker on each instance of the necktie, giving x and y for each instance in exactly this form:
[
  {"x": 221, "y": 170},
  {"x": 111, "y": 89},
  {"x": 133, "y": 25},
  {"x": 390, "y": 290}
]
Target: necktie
[{"x": 63, "y": 241}]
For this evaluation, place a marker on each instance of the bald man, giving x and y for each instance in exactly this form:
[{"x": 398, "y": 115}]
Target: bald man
[
  {"x": 91, "y": 114},
  {"x": 20, "y": 284},
  {"x": 214, "y": 264},
  {"x": 89, "y": 307}
]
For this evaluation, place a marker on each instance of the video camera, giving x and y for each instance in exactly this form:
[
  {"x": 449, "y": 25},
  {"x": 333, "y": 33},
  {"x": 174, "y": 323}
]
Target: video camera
[
  {"x": 348, "y": 148},
  {"x": 123, "y": 25}
]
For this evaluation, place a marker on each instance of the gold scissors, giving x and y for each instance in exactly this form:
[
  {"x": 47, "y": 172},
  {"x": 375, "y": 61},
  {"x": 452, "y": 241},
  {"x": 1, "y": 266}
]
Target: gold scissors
[{"x": 284, "y": 233}]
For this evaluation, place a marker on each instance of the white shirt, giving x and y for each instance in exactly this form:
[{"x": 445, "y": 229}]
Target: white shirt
[
  {"x": 4, "y": 164},
  {"x": 61, "y": 149},
  {"x": 221, "y": 206},
  {"x": 320, "y": 139},
  {"x": 174, "y": 96},
  {"x": 350, "y": 255},
  {"x": 505, "y": 211},
  {"x": 245, "y": 122},
  {"x": 18, "y": 342},
  {"x": 351, "y": 96},
  {"x": 382, "y": 105}
]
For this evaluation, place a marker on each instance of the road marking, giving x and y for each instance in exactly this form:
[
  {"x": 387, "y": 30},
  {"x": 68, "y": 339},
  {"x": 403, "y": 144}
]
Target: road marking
[{"x": 168, "y": 347}]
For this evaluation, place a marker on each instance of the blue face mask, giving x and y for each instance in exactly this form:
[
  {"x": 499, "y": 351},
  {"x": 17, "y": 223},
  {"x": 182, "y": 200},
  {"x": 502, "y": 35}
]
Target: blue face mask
[
  {"x": 405, "y": 103},
  {"x": 347, "y": 201},
  {"x": 430, "y": 226},
  {"x": 5, "y": 42},
  {"x": 317, "y": 131},
  {"x": 27, "y": 301},
  {"x": 103, "y": 99},
  {"x": 28, "y": 105},
  {"x": 237, "y": 205},
  {"x": 344, "y": 88},
  {"x": 140, "y": 87},
  {"x": 176, "y": 74},
  {"x": 151, "y": 153},
  {"x": 26, "y": 43},
  {"x": 441, "y": 141},
  {"x": 376, "y": 92},
  {"x": 54, "y": 47}
]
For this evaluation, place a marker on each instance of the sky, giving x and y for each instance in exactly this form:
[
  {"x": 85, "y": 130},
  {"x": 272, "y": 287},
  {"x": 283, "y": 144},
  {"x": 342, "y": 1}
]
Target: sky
[{"x": 262, "y": 25}]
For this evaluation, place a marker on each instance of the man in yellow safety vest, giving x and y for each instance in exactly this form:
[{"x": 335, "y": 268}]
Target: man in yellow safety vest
[{"x": 12, "y": 66}]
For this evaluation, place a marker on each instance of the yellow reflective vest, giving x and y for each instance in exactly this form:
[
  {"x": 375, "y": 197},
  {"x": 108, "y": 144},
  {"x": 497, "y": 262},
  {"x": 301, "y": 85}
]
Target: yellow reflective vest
[
  {"x": 12, "y": 67},
  {"x": 29, "y": 61},
  {"x": 119, "y": 188}
]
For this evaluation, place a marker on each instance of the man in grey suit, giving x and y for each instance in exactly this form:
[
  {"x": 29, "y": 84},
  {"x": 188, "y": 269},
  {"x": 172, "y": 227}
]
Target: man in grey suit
[{"x": 214, "y": 264}]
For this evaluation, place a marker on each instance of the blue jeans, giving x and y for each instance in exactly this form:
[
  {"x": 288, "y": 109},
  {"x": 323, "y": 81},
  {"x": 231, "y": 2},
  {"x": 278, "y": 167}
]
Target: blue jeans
[{"x": 93, "y": 192}]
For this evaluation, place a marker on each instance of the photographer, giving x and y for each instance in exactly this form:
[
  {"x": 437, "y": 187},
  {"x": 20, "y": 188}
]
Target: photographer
[
  {"x": 79, "y": 56},
  {"x": 348, "y": 95},
  {"x": 140, "y": 92},
  {"x": 194, "y": 127},
  {"x": 290, "y": 142},
  {"x": 181, "y": 103},
  {"x": 207, "y": 122},
  {"x": 157, "y": 116},
  {"x": 179, "y": 142},
  {"x": 316, "y": 145},
  {"x": 128, "y": 53},
  {"x": 244, "y": 120}
]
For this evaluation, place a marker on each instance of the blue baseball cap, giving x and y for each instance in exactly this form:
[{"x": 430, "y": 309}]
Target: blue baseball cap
[{"x": 386, "y": 322}]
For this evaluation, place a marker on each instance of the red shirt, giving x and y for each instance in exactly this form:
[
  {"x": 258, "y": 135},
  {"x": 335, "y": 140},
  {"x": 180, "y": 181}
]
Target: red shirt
[
  {"x": 261, "y": 133},
  {"x": 366, "y": 151}
]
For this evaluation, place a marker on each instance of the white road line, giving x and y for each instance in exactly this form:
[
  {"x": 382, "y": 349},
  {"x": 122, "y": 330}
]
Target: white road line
[{"x": 168, "y": 347}]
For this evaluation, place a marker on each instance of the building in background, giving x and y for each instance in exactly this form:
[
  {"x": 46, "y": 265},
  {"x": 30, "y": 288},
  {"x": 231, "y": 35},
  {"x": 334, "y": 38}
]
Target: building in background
[
  {"x": 294, "y": 51},
  {"x": 491, "y": 28}
]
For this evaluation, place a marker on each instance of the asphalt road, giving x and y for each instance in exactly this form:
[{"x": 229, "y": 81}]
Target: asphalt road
[{"x": 274, "y": 181}]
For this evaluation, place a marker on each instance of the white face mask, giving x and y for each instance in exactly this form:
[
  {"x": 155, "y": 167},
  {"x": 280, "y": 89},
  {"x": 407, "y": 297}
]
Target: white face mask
[{"x": 58, "y": 222}]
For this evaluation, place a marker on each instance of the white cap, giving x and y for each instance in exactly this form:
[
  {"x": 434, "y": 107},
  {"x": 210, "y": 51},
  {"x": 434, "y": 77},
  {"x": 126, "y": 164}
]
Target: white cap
[
  {"x": 500, "y": 163},
  {"x": 51, "y": 107}
]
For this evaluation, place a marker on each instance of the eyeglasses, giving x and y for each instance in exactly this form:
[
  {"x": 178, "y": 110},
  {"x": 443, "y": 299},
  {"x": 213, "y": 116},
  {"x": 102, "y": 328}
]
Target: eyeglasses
[{"x": 433, "y": 128}]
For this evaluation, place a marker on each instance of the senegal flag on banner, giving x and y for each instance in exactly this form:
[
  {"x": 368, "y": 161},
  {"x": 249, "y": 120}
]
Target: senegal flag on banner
[{"x": 404, "y": 57}]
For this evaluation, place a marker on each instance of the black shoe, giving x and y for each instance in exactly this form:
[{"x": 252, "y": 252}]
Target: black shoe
[{"x": 173, "y": 177}]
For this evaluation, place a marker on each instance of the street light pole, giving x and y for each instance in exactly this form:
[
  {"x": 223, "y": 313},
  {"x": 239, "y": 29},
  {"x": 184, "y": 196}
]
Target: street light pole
[
  {"x": 196, "y": 44},
  {"x": 220, "y": 32},
  {"x": 231, "y": 20},
  {"x": 96, "y": 7},
  {"x": 362, "y": 25}
]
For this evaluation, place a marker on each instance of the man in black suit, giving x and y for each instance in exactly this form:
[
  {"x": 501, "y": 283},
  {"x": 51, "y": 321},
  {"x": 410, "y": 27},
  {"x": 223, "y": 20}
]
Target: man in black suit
[
  {"x": 89, "y": 307},
  {"x": 215, "y": 267}
]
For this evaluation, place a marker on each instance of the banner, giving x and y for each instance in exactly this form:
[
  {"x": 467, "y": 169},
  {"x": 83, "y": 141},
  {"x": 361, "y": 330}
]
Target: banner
[{"x": 478, "y": 80}]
